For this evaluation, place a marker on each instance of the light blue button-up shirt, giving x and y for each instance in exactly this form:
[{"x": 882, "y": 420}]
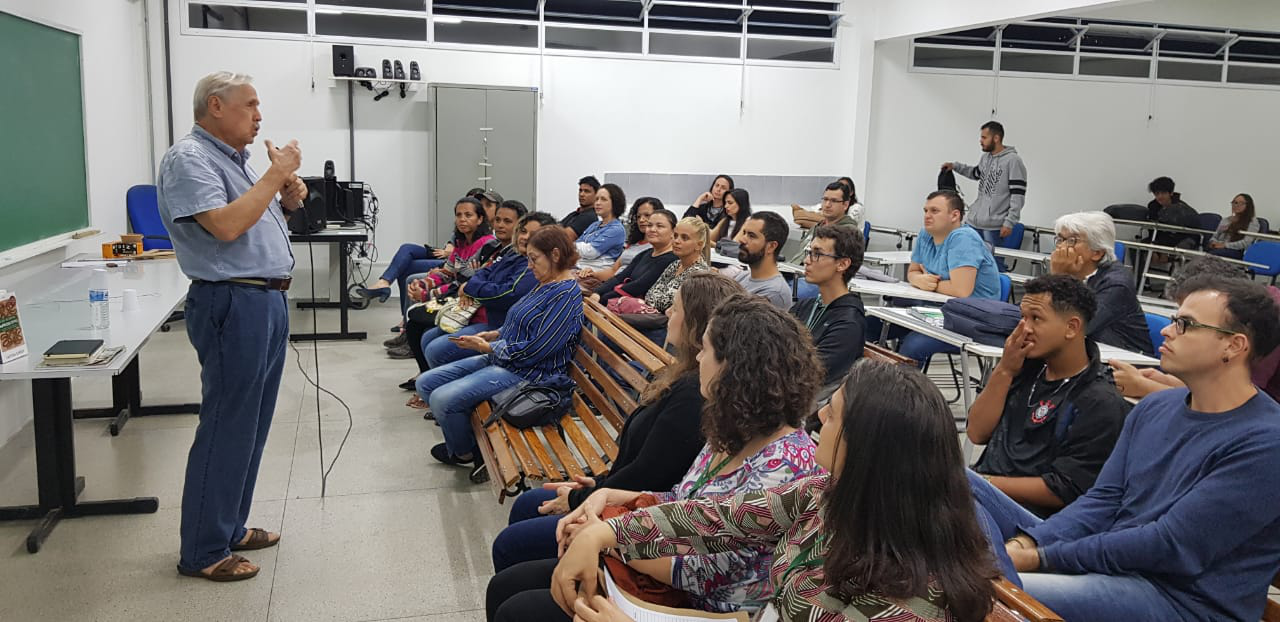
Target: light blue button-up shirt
[{"x": 201, "y": 173}]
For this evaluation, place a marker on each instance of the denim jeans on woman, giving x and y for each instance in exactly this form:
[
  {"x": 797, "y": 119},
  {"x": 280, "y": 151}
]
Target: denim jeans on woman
[
  {"x": 529, "y": 535},
  {"x": 454, "y": 390},
  {"x": 1086, "y": 597},
  {"x": 409, "y": 259}
]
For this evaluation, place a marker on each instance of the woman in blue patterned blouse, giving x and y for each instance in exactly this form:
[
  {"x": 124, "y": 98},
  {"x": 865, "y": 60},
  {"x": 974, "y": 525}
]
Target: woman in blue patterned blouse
[{"x": 535, "y": 343}]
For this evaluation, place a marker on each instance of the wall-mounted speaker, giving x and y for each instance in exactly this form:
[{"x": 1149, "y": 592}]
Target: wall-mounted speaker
[{"x": 344, "y": 61}]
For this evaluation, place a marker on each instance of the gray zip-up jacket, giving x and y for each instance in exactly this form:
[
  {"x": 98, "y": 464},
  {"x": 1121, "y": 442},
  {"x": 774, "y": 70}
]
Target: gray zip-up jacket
[{"x": 1002, "y": 189}]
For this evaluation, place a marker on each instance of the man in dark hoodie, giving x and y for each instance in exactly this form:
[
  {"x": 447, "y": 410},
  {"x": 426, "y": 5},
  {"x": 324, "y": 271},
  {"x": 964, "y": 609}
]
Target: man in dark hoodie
[
  {"x": 1167, "y": 207},
  {"x": 1084, "y": 247},
  {"x": 1002, "y": 186},
  {"x": 1050, "y": 413},
  {"x": 835, "y": 317}
]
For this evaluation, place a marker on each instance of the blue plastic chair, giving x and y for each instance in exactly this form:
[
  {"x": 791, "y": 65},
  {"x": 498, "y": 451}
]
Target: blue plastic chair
[
  {"x": 1263, "y": 225},
  {"x": 1208, "y": 222},
  {"x": 1155, "y": 324},
  {"x": 866, "y": 232},
  {"x": 1006, "y": 287},
  {"x": 144, "y": 217},
  {"x": 1119, "y": 252},
  {"x": 1015, "y": 237},
  {"x": 1267, "y": 253}
]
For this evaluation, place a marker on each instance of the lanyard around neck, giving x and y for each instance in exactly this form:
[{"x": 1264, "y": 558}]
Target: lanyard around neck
[{"x": 707, "y": 475}]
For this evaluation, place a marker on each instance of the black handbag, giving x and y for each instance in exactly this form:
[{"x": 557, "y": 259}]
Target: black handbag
[{"x": 527, "y": 405}]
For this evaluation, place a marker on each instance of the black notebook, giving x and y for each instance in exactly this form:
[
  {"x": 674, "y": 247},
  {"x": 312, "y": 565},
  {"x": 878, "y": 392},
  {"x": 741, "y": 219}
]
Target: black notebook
[{"x": 73, "y": 349}]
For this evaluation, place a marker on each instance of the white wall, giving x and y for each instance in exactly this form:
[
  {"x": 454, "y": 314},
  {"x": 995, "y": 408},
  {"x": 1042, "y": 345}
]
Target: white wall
[
  {"x": 908, "y": 18},
  {"x": 597, "y": 115},
  {"x": 1086, "y": 144},
  {"x": 1243, "y": 14},
  {"x": 117, "y": 131}
]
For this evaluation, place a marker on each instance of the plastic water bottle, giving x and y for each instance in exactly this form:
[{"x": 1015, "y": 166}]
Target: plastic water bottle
[{"x": 99, "y": 308}]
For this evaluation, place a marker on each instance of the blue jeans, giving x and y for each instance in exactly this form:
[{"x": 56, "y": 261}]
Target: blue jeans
[
  {"x": 992, "y": 237},
  {"x": 440, "y": 351},
  {"x": 922, "y": 348},
  {"x": 409, "y": 259},
  {"x": 528, "y": 535},
  {"x": 1084, "y": 597},
  {"x": 239, "y": 333},
  {"x": 454, "y": 390}
]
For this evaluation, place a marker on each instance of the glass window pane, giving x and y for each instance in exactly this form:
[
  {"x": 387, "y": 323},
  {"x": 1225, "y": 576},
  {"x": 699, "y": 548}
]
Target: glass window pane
[
  {"x": 1026, "y": 36},
  {"x": 592, "y": 40},
  {"x": 693, "y": 45},
  {"x": 1202, "y": 72},
  {"x": 488, "y": 33},
  {"x": 1256, "y": 51},
  {"x": 221, "y": 17},
  {"x": 1253, "y": 75},
  {"x": 1036, "y": 63},
  {"x": 1115, "y": 67},
  {"x": 594, "y": 11},
  {"x": 946, "y": 58},
  {"x": 401, "y": 5},
  {"x": 372, "y": 26},
  {"x": 816, "y": 51}
]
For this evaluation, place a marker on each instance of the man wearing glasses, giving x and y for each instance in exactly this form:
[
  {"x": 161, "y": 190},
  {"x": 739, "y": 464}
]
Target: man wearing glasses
[
  {"x": 835, "y": 317},
  {"x": 1084, "y": 247},
  {"x": 835, "y": 212},
  {"x": 1183, "y": 522}
]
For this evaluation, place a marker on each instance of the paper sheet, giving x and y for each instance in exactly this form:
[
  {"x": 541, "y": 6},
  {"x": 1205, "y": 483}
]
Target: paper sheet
[{"x": 647, "y": 612}]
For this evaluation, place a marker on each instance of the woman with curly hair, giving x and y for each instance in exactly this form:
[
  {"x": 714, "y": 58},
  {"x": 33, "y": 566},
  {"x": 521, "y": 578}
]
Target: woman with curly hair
[{"x": 758, "y": 374}]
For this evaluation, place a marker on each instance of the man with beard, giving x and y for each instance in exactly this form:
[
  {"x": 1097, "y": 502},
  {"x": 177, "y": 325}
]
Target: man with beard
[
  {"x": 761, "y": 238},
  {"x": 1002, "y": 187}
]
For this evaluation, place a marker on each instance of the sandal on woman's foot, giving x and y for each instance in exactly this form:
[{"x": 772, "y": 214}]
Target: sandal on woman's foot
[
  {"x": 255, "y": 539},
  {"x": 416, "y": 403},
  {"x": 224, "y": 571}
]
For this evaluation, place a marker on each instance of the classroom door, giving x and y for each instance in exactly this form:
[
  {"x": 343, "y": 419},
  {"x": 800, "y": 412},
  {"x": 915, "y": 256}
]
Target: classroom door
[{"x": 482, "y": 137}]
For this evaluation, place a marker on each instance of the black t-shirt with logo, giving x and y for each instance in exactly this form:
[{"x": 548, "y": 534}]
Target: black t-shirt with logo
[{"x": 1062, "y": 430}]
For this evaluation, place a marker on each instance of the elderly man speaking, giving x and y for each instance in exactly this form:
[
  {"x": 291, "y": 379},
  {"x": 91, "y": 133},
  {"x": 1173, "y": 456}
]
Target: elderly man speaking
[{"x": 229, "y": 232}]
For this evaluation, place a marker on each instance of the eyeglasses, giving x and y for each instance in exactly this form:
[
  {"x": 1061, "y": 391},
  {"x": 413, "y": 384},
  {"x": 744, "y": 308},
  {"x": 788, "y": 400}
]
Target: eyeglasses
[
  {"x": 814, "y": 255},
  {"x": 1071, "y": 241},
  {"x": 826, "y": 201},
  {"x": 1182, "y": 323}
]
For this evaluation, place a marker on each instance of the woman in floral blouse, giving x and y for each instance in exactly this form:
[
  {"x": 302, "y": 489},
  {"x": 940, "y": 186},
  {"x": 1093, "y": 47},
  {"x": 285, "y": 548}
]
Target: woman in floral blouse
[
  {"x": 759, "y": 375},
  {"x": 890, "y": 534}
]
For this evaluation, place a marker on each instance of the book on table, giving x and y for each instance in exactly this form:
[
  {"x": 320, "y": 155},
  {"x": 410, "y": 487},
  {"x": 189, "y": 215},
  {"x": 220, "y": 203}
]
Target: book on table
[{"x": 68, "y": 350}]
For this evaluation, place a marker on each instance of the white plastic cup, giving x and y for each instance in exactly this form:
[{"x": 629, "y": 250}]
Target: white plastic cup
[{"x": 130, "y": 300}]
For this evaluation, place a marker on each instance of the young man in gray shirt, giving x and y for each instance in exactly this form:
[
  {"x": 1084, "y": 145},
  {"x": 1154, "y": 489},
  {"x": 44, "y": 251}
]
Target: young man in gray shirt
[
  {"x": 1002, "y": 187},
  {"x": 760, "y": 240}
]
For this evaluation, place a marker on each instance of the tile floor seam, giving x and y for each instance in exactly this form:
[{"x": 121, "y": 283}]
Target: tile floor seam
[
  {"x": 382, "y": 492},
  {"x": 410, "y": 617},
  {"x": 284, "y": 512}
]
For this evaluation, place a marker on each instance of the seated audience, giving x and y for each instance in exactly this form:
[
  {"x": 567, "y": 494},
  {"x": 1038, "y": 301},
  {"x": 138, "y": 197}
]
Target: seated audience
[
  {"x": 576, "y": 222},
  {"x": 889, "y": 534},
  {"x": 657, "y": 444},
  {"x": 602, "y": 242},
  {"x": 495, "y": 288},
  {"x": 490, "y": 200},
  {"x": 636, "y": 279},
  {"x": 737, "y": 207},
  {"x": 709, "y": 206},
  {"x": 1084, "y": 247},
  {"x": 1228, "y": 241},
  {"x": 1139, "y": 383},
  {"x": 760, "y": 242},
  {"x": 835, "y": 212},
  {"x": 758, "y": 376},
  {"x": 690, "y": 246},
  {"x": 637, "y": 242},
  {"x": 1167, "y": 207},
  {"x": 1050, "y": 413},
  {"x": 535, "y": 344},
  {"x": 1181, "y": 523},
  {"x": 835, "y": 318},
  {"x": 949, "y": 258},
  {"x": 809, "y": 218},
  {"x": 409, "y": 259}
]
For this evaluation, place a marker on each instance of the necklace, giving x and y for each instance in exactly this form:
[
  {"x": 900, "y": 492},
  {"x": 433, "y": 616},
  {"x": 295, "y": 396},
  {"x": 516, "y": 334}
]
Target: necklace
[{"x": 1062, "y": 386}]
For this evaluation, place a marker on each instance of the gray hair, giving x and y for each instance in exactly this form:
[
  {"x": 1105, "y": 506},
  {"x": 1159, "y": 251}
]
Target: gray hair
[
  {"x": 1097, "y": 228},
  {"x": 216, "y": 84}
]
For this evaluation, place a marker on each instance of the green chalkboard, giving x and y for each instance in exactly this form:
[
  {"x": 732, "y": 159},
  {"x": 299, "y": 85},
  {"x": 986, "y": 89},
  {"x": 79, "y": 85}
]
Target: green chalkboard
[{"x": 42, "y": 163}]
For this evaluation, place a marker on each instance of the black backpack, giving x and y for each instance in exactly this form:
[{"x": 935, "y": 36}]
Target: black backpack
[
  {"x": 947, "y": 181},
  {"x": 1127, "y": 211}
]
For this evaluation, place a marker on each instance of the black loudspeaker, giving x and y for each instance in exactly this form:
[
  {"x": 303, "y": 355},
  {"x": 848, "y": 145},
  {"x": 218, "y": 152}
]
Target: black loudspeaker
[
  {"x": 344, "y": 61},
  {"x": 311, "y": 217}
]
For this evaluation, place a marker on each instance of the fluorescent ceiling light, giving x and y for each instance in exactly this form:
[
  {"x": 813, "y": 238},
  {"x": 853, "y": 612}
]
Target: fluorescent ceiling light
[
  {"x": 323, "y": 11},
  {"x": 448, "y": 20}
]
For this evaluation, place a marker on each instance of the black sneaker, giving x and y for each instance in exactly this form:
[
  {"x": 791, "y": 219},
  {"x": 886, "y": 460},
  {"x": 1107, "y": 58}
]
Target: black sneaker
[
  {"x": 480, "y": 474},
  {"x": 441, "y": 453},
  {"x": 398, "y": 340},
  {"x": 400, "y": 352}
]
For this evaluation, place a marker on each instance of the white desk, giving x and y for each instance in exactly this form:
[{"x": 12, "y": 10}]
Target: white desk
[
  {"x": 723, "y": 260},
  {"x": 1017, "y": 253},
  {"x": 1108, "y": 353},
  {"x": 901, "y": 289},
  {"x": 53, "y": 305},
  {"x": 888, "y": 258}
]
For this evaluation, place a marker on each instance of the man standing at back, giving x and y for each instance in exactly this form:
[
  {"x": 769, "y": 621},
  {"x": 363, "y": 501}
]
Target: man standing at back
[
  {"x": 229, "y": 233},
  {"x": 1002, "y": 186}
]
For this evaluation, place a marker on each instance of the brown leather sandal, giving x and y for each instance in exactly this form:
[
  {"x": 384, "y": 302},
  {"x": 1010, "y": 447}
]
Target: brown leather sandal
[
  {"x": 258, "y": 539},
  {"x": 224, "y": 572}
]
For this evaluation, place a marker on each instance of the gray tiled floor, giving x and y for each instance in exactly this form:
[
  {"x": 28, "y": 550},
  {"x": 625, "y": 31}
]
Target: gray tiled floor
[{"x": 397, "y": 536}]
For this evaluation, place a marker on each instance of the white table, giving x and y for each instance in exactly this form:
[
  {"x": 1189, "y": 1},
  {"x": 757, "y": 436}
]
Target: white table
[
  {"x": 1108, "y": 353},
  {"x": 901, "y": 289},
  {"x": 889, "y": 259},
  {"x": 724, "y": 260},
  {"x": 1017, "y": 253},
  {"x": 53, "y": 305},
  {"x": 901, "y": 316}
]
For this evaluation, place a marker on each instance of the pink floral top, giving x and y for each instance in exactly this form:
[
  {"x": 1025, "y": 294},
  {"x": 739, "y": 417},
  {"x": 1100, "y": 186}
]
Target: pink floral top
[{"x": 738, "y": 579}]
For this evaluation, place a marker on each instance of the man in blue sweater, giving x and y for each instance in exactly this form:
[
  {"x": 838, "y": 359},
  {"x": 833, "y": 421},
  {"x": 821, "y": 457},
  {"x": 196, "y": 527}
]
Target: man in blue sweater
[{"x": 1183, "y": 522}]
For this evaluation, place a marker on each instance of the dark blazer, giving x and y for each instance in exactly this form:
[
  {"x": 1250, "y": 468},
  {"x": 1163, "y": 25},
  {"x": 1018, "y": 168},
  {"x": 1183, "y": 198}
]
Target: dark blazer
[{"x": 1119, "y": 320}]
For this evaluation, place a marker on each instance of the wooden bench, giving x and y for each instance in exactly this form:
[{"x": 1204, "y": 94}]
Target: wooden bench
[
  {"x": 1271, "y": 611},
  {"x": 1014, "y": 605},
  {"x": 584, "y": 442}
]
